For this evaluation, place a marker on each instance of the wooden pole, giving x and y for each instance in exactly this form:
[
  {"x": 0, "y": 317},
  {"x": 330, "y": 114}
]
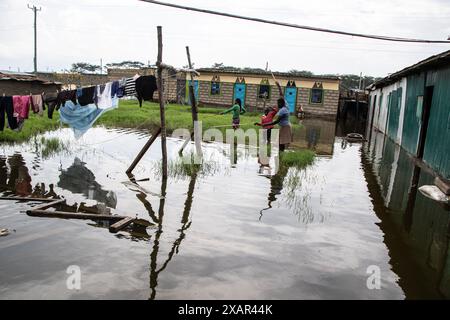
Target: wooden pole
[
  {"x": 143, "y": 151},
  {"x": 280, "y": 90},
  {"x": 194, "y": 110},
  {"x": 161, "y": 104}
]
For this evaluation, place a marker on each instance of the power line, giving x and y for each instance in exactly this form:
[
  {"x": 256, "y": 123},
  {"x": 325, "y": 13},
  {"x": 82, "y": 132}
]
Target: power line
[{"x": 292, "y": 25}]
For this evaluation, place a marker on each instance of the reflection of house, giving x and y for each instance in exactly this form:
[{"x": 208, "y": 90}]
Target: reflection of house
[
  {"x": 317, "y": 95},
  {"x": 412, "y": 107},
  {"x": 315, "y": 134},
  {"x": 415, "y": 227},
  {"x": 79, "y": 179},
  {"x": 12, "y": 83}
]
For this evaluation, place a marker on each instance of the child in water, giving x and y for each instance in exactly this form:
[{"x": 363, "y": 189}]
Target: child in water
[
  {"x": 237, "y": 110},
  {"x": 269, "y": 113}
]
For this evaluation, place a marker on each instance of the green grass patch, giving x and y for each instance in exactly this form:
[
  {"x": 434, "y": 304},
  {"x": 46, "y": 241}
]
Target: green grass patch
[
  {"x": 130, "y": 115},
  {"x": 297, "y": 158},
  {"x": 51, "y": 146},
  {"x": 184, "y": 167},
  {"x": 32, "y": 127}
]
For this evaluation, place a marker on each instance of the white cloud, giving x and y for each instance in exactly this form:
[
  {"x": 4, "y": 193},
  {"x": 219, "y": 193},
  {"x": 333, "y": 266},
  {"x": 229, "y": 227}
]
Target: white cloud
[{"x": 83, "y": 30}]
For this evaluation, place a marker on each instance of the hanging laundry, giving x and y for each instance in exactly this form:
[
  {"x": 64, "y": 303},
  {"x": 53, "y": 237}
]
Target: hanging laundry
[
  {"x": 37, "y": 104},
  {"x": 145, "y": 87},
  {"x": 82, "y": 118},
  {"x": 50, "y": 99},
  {"x": 130, "y": 87},
  {"x": 21, "y": 107},
  {"x": 103, "y": 97},
  {"x": 6, "y": 106},
  {"x": 121, "y": 89},
  {"x": 87, "y": 96},
  {"x": 114, "y": 88},
  {"x": 66, "y": 95}
]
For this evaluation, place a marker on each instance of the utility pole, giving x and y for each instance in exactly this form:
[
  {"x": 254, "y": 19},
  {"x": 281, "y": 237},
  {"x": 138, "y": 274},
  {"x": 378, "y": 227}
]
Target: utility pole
[
  {"x": 360, "y": 76},
  {"x": 35, "y": 10}
]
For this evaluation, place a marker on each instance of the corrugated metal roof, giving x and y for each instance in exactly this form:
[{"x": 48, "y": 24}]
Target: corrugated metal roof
[
  {"x": 22, "y": 76},
  {"x": 441, "y": 59}
]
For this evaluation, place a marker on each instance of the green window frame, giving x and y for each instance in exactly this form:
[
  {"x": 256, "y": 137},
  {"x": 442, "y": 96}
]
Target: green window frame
[
  {"x": 316, "y": 96},
  {"x": 214, "y": 88},
  {"x": 264, "y": 90}
]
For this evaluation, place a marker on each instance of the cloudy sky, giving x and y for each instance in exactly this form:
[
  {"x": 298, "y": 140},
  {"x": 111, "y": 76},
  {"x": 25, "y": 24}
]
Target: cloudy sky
[{"x": 117, "y": 30}]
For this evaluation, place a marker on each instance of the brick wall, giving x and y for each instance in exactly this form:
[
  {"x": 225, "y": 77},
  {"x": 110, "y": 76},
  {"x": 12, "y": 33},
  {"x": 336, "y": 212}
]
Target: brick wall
[
  {"x": 327, "y": 109},
  {"x": 74, "y": 78}
]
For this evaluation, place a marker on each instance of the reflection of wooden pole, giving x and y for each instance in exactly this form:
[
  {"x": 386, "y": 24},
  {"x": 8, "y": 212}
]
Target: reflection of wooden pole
[
  {"x": 144, "y": 150},
  {"x": 161, "y": 104},
  {"x": 194, "y": 110}
]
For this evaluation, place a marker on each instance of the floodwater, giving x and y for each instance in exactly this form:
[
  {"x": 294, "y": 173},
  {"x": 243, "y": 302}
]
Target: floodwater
[{"x": 234, "y": 230}]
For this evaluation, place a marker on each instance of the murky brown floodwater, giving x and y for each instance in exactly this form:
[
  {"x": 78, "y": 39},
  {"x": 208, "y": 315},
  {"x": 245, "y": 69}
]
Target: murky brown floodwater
[{"x": 228, "y": 232}]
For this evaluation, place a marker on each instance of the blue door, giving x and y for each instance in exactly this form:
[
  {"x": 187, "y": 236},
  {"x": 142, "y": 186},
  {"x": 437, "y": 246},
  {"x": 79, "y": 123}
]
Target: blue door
[
  {"x": 239, "y": 92},
  {"x": 195, "y": 91},
  {"x": 290, "y": 95}
]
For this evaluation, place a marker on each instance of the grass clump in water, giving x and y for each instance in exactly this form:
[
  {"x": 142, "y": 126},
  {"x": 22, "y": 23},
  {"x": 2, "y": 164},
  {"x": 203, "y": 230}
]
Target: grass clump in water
[
  {"x": 185, "y": 167},
  {"x": 51, "y": 146},
  {"x": 297, "y": 158}
]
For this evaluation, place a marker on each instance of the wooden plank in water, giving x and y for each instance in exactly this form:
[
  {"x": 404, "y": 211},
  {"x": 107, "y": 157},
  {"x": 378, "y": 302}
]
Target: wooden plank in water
[
  {"x": 49, "y": 204},
  {"x": 28, "y": 199},
  {"x": 72, "y": 215},
  {"x": 119, "y": 225}
]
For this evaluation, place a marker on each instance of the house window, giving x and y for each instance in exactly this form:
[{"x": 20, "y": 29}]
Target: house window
[
  {"x": 317, "y": 93},
  {"x": 264, "y": 89},
  {"x": 215, "y": 86}
]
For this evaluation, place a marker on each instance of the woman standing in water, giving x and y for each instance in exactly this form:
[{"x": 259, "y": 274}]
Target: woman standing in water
[
  {"x": 285, "y": 137},
  {"x": 237, "y": 110}
]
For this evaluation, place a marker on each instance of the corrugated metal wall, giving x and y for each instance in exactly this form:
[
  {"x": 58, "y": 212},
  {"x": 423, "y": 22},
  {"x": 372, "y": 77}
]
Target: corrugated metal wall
[
  {"x": 398, "y": 114},
  {"x": 437, "y": 143},
  {"x": 411, "y": 121}
]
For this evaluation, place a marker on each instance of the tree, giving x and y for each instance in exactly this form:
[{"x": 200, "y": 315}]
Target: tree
[
  {"x": 301, "y": 73},
  {"x": 218, "y": 65},
  {"x": 126, "y": 65},
  {"x": 84, "y": 67}
]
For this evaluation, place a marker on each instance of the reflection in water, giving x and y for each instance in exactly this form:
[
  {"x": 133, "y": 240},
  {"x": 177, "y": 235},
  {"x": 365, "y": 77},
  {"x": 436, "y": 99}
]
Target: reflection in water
[
  {"x": 79, "y": 179},
  {"x": 315, "y": 134},
  {"x": 18, "y": 181},
  {"x": 158, "y": 219},
  {"x": 416, "y": 228}
]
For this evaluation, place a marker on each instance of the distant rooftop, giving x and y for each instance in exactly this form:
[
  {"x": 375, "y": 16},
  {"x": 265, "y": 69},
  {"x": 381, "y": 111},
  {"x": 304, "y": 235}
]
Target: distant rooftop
[{"x": 23, "y": 76}]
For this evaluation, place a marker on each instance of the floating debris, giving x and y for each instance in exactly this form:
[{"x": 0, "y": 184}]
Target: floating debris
[
  {"x": 434, "y": 193},
  {"x": 355, "y": 137},
  {"x": 4, "y": 232}
]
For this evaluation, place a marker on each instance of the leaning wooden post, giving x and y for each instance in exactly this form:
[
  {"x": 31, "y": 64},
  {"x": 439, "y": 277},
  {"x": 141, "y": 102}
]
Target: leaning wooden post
[
  {"x": 194, "y": 110},
  {"x": 161, "y": 104}
]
